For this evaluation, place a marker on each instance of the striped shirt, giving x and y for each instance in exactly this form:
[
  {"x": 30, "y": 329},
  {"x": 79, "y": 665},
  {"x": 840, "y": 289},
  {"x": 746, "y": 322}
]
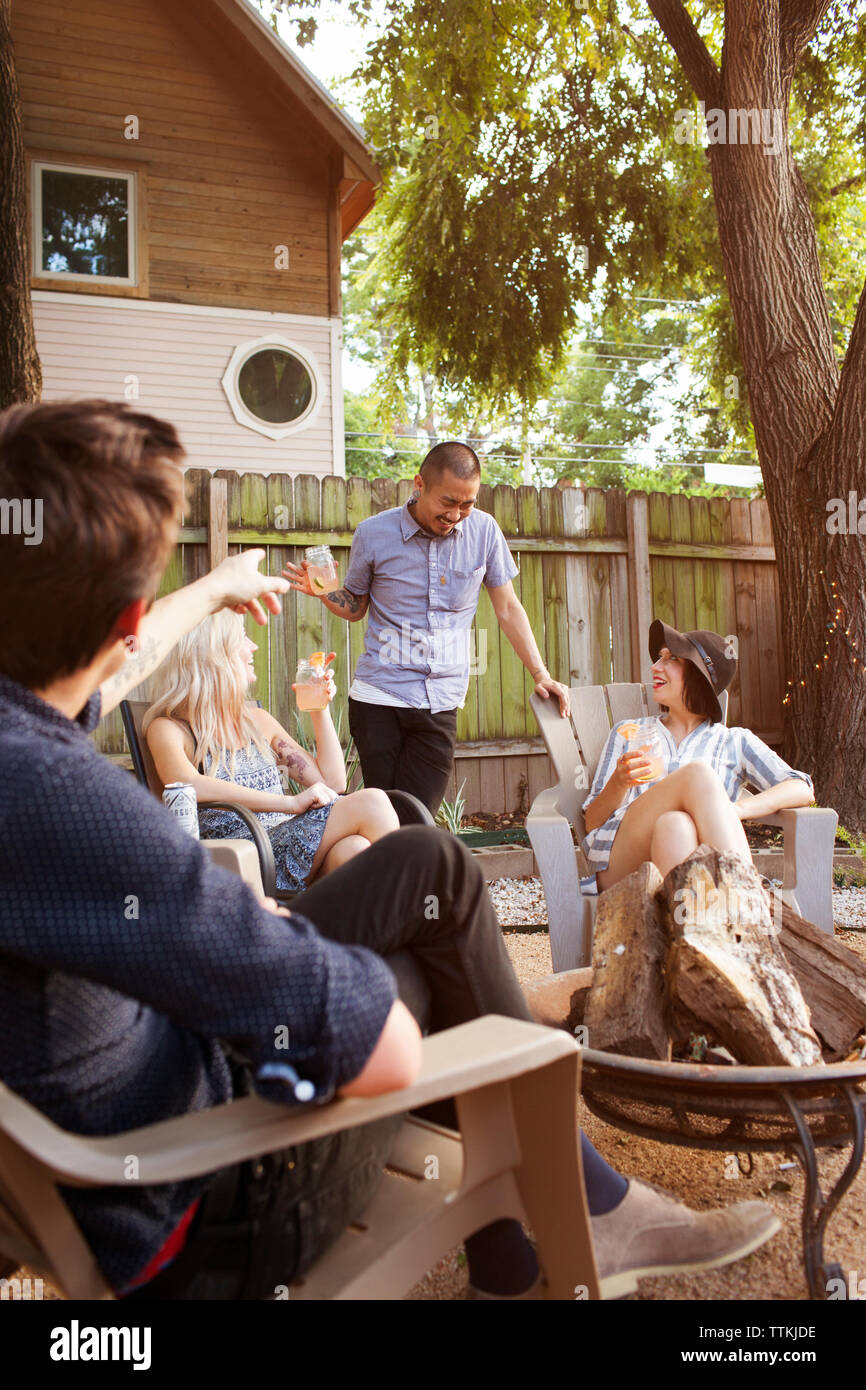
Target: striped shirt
[{"x": 737, "y": 755}]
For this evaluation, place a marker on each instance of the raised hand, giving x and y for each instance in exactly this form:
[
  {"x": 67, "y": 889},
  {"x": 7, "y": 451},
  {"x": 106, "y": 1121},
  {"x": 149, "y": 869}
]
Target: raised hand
[
  {"x": 299, "y": 579},
  {"x": 238, "y": 584}
]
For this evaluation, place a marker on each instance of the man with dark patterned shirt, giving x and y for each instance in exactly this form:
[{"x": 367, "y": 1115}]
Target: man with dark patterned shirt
[{"x": 139, "y": 981}]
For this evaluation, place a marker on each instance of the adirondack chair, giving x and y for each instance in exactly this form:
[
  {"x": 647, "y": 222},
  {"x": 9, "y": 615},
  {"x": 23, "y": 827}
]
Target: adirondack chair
[
  {"x": 254, "y": 862},
  {"x": 516, "y": 1085},
  {"x": 575, "y": 747}
]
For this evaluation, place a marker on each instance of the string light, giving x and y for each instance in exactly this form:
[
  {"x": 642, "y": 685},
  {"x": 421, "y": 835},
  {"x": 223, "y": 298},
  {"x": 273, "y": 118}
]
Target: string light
[{"x": 835, "y": 625}]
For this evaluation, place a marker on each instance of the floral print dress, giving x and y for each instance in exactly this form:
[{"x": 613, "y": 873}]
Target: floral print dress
[{"x": 295, "y": 839}]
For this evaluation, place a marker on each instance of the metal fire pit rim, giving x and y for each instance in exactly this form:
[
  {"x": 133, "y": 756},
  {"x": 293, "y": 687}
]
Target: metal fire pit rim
[{"x": 674, "y": 1076}]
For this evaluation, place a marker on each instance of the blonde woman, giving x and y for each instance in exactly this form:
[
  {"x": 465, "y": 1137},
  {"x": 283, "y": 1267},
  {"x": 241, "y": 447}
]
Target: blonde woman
[{"x": 205, "y": 731}]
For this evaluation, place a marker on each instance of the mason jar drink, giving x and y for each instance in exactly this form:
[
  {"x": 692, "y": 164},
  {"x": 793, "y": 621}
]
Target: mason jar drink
[
  {"x": 321, "y": 568},
  {"x": 649, "y": 742},
  {"x": 311, "y": 686}
]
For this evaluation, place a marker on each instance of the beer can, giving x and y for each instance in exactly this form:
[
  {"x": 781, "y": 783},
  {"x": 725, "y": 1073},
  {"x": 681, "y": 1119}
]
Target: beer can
[{"x": 181, "y": 800}]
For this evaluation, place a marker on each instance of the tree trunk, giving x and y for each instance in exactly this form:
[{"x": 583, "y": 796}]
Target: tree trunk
[
  {"x": 20, "y": 371},
  {"x": 810, "y": 423}
]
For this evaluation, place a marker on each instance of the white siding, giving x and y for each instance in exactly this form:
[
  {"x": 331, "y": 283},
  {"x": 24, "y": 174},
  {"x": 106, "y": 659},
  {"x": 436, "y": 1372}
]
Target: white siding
[{"x": 89, "y": 346}]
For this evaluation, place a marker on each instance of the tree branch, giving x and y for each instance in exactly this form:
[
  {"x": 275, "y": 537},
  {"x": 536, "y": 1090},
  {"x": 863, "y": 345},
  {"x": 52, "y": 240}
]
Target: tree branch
[
  {"x": 848, "y": 429},
  {"x": 798, "y": 22},
  {"x": 848, "y": 183},
  {"x": 678, "y": 28}
]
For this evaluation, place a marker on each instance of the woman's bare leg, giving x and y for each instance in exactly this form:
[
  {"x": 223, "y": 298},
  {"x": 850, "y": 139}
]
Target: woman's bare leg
[
  {"x": 367, "y": 813},
  {"x": 340, "y": 854},
  {"x": 695, "y": 789},
  {"x": 674, "y": 838}
]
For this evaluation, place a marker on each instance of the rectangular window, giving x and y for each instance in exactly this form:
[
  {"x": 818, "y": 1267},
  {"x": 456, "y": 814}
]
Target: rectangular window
[{"x": 84, "y": 224}]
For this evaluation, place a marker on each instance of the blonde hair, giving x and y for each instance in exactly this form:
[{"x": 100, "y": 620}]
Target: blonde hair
[{"x": 207, "y": 683}]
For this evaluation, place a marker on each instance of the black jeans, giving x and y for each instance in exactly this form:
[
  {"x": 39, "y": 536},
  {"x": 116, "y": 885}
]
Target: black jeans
[
  {"x": 408, "y": 750},
  {"x": 416, "y": 897}
]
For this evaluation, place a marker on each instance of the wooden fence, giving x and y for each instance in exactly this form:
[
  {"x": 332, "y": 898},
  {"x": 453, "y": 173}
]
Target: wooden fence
[{"x": 595, "y": 567}]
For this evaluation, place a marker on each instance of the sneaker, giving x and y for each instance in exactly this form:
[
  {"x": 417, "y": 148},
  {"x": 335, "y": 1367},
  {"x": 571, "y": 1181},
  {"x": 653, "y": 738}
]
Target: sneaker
[{"x": 652, "y": 1232}]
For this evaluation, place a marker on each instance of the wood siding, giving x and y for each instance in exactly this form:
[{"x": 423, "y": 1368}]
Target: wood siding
[
  {"x": 233, "y": 164},
  {"x": 175, "y": 359}
]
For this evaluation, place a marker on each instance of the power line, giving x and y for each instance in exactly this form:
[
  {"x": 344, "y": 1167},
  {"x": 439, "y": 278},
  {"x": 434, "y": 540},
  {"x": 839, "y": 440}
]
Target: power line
[{"x": 657, "y": 448}]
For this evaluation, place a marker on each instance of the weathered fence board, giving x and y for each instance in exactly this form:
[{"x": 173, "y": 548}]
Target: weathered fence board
[{"x": 702, "y": 563}]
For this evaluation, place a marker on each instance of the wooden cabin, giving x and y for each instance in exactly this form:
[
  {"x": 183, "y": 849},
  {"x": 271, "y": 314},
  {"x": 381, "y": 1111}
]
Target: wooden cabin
[{"x": 190, "y": 187}]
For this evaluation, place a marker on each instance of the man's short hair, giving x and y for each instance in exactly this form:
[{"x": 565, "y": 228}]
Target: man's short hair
[
  {"x": 453, "y": 457},
  {"x": 106, "y": 485}
]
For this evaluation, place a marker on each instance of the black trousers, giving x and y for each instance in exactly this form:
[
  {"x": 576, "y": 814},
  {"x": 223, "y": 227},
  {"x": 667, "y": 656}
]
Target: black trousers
[
  {"x": 409, "y": 750},
  {"x": 417, "y": 898}
]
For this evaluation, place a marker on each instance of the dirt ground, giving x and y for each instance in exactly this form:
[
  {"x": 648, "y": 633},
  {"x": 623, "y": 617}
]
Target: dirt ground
[{"x": 699, "y": 1179}]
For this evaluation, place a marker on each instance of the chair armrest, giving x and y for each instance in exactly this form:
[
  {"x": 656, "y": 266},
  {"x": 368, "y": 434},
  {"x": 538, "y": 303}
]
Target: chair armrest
[
  {"x": 239, "y": 857},
  {"x": 808, "y": 859},
  {"x": 795, "y": 817},
  {"x": 455, "y": 1061},
  {"x": 260, "y": 840},
  {"x": 561, "y": 802}
]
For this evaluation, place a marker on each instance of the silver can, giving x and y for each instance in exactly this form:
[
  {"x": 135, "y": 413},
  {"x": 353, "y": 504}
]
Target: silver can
[{"x": 181, "y": 800}]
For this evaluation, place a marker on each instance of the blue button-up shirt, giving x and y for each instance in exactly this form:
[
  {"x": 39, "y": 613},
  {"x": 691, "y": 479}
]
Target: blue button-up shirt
[
  {"x": 126, "y": 956},
  {"x": 423, "y": 596}
]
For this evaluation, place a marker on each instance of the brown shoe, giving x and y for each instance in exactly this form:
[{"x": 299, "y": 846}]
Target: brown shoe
[{"x": 652, "y": 1232}]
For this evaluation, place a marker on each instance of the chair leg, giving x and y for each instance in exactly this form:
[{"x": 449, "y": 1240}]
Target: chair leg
[
  {"x": 554, "y": 852},
  {"x": 54, "y": 1229},
  {"x": 550, "y": 1177}
]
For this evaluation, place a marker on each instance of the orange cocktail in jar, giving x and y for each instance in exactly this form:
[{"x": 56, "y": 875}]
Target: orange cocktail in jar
[
  {"x": 311, "y": 682},
  {"x": 647, "y": 741}
]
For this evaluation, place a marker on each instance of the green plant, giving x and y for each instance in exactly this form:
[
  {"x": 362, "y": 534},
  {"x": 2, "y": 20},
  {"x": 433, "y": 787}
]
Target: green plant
[
  {"x": 450, "y": 815},
  {"x": 854, "y": 842}
]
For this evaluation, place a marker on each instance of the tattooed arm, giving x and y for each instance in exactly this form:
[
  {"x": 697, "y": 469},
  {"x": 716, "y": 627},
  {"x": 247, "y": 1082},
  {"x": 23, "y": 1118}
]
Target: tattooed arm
[
  {"x": 327, "y": 766},
  {"x": 235, "y": 584},
  {"x": 342, "y": 602}
]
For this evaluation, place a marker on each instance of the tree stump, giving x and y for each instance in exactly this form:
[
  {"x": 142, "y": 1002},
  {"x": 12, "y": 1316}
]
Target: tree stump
[
  {"x": 726, "y": 965},
  {"x": 625, "y": 1008}
]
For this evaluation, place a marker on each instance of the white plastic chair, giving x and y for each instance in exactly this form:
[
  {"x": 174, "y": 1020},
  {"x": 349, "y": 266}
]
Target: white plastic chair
[{"x": 575, "y": 746}]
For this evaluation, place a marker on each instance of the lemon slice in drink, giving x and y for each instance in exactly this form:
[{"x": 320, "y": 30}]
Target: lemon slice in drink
[
  {"x": 318, "y": 584},
  {"x": 628, "y": 731}
]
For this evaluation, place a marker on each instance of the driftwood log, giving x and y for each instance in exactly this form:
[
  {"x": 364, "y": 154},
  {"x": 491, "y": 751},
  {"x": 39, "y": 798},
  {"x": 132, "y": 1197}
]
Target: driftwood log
[
  {"x": 625, "y": 1010},
  {"x": 726, "y": 965},
  {"x": 832, "y": 979}
]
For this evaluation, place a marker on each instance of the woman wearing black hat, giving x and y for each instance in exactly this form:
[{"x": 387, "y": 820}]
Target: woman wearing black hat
[{"x": 705, "y": 766}]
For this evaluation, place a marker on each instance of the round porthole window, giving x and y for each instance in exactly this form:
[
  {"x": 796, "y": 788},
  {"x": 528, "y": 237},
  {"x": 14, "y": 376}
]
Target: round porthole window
[{"x": 272, "y": 386}]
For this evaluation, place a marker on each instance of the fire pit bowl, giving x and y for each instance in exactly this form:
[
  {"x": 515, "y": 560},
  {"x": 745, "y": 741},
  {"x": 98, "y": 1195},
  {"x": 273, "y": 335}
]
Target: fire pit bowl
[{"x": 738, "y": 1109}]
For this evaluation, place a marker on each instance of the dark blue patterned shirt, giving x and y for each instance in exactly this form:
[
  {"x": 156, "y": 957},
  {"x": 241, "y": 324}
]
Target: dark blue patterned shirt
[{"x": 126, "y": 955}]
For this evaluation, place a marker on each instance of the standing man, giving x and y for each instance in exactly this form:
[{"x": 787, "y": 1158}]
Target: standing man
[{"x": 419, "y": 570}]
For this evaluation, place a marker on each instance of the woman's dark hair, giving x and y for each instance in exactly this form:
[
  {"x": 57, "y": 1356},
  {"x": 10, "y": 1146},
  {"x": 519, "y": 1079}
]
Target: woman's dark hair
[{"x": 698, "y": 696}]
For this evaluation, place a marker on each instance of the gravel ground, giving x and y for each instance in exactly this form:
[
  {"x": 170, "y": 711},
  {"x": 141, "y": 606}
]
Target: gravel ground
[
  {"x": 699, "y": 1178},
  {"x": 696, "y": 1177}
]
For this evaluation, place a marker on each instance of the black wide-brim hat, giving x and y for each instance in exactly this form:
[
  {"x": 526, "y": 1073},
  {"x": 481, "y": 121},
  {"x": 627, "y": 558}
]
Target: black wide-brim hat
[{"x": 705, "y": 650}]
